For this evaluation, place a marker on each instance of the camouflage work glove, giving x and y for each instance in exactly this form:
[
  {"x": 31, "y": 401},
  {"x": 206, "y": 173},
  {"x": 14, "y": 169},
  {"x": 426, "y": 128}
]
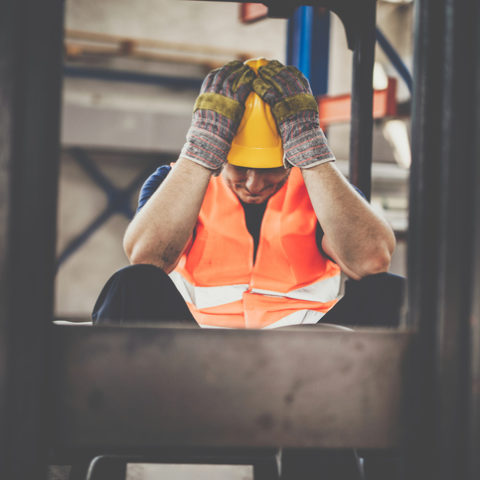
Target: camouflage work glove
[
  {"x": 295, "y": 110},
  {"x": 217, "y": 114}
]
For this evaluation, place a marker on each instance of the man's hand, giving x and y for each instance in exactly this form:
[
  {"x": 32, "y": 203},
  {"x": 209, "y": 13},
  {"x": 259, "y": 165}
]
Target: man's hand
[
  {"x": 295, "y": 110},
  {"x": 217, "y": 114}
]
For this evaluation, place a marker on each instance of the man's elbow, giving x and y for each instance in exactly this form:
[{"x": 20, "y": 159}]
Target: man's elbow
[
  {"x": 379, "y": 262},
  {"x": 137, "y": 255}
]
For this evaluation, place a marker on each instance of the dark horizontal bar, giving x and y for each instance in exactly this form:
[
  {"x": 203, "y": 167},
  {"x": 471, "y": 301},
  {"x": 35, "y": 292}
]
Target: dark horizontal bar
[
  {"x": 140, "y": 388},
  {"x": 130, "y": 76}
]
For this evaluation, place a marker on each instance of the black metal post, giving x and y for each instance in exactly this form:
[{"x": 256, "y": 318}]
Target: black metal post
[
  {"x": 362, "y": 98},
  {"x": 424, "y": 227},
  {"x": 30, "y": 83},
  {"x": 440, "y": 236},
  {"x": 474, "y": 404}
]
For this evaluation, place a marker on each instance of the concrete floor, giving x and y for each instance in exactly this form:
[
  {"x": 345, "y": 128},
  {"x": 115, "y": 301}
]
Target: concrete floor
[
  {"x": 185, "y": 472},
  {"x": 171, "y": 472}
]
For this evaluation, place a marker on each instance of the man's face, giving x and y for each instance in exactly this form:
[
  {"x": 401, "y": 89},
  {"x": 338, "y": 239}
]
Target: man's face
[{"x": 254, "y": 185}]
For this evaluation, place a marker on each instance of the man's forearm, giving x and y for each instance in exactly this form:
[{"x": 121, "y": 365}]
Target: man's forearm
[
  {"x": 160, "y": 231},
  {"x": 355, "y": 236}
]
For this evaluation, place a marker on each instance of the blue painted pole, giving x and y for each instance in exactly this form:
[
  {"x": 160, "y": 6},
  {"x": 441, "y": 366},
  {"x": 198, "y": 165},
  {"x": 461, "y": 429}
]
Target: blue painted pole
[
  {"x": 308, "y": 43},
  {"x": 320, "y": 52},
  {"x": 305, "y": 47}
]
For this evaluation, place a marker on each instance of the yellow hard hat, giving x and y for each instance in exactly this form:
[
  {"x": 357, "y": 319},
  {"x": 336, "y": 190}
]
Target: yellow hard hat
[{"x": 257, "y": 143}]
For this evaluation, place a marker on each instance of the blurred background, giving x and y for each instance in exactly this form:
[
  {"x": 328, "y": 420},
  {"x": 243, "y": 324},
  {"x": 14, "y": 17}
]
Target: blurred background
[{"x": 132, "y": 72}]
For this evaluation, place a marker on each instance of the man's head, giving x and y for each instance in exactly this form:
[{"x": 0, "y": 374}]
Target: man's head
[
  {"x": 255, "y": 169},
  {"x": 254, "y": 185}
]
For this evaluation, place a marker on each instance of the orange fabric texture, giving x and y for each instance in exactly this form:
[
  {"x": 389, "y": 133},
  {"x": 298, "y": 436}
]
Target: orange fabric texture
[{"x": 287, "y": 259}]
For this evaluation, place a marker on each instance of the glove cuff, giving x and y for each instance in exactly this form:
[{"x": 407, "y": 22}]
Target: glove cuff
[
  {"x": 307, "y": 150},
  {"x": 205, "y": 148},
  {"x": 297, "y": 105},
  {"x": 229, "y": 108}
]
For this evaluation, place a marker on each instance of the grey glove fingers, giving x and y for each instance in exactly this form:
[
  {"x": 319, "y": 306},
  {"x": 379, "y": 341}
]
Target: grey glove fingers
[
  {"x": 217, "y": 113},
  {"x": 271, "y": 69},
  {"x": 224, "y": 76},
  {"x": 270, "y": 75},
  {"x": 288, "y": 80},
  {"x": 292, "y": 81},
  {"x": 208, "y": 81},
  {"x": 265, "y": 90},
  {"x": 242, "y": 82},
  {"x": 217, "y": 77},
  {"x": 282, "y": 77},
  {"x": 301, "y": 77}
]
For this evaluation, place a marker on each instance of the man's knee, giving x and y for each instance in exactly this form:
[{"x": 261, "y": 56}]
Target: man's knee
[
  {"x": 132, "y": 288},
  {"x": 136, "y": 274},
  {"x": 389, "y": 284},
  {"x": 380, "y": 297},
  {"x": 375, "y": 300}
]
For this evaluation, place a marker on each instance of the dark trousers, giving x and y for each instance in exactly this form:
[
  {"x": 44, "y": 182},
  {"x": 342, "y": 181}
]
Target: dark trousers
[{"x": 145, "y": 294}]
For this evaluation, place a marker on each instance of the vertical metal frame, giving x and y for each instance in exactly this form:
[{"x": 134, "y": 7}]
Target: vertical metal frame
[
  {"x": 362, "y": 98},
  {"x": 441, "y": 238},
  {"x": 30, "y": 82},
  {"x": 474, "y": 392}
]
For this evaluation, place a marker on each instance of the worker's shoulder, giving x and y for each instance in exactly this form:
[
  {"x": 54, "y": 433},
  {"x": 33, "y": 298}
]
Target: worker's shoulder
[
  {"x": 152, "y": 183},
  {"x": 160, "y": 173}
]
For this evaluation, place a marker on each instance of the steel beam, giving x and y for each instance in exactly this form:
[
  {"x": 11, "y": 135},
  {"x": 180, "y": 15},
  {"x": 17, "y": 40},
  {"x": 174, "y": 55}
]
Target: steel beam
[
  {"x": 30, "y": 89},
  {"x": 140, "y": 388},
  {"x": 349, "y": 12}
]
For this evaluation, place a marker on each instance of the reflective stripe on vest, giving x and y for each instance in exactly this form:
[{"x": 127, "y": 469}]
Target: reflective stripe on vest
[
  {"x": 205, "y": 297},
  {"x": 290, "y": 283}
]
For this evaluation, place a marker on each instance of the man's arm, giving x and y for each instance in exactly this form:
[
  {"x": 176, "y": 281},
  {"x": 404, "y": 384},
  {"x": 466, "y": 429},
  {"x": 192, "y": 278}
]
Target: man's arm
[
  {"x": 354, "y": 235},
  {"x": 160, "y": 231}
]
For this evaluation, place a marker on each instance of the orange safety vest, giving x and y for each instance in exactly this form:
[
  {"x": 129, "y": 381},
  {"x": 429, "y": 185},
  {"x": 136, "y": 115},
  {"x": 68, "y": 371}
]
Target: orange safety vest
[{"x": 290, "y": 283}]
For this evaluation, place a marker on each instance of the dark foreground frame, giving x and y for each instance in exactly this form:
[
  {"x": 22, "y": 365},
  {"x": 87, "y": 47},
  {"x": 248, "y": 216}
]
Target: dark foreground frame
[
  {"x": 141, "y": 388},
  {"x": 444, "y": 271}
]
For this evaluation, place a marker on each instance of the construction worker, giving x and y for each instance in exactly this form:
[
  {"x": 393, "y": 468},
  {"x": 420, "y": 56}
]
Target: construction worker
[
  {"x": 252, "y": 227},
  {"x": 254, "y": 223}
]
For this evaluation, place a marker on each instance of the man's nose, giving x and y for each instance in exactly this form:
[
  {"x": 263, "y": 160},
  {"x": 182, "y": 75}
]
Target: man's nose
[{"x": 254, "y": 182}]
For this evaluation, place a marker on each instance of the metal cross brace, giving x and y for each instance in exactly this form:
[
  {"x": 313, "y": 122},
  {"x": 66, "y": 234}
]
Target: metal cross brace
[{"x": 119, "y": 200}]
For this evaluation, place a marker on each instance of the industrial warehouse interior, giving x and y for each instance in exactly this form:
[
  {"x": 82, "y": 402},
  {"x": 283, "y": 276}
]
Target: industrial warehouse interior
[
  {"x": 124, "y": 114},
  {"x": 95, "y": 96}
]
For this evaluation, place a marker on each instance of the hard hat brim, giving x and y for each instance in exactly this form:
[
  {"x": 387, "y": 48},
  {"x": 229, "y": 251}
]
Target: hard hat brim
[{"x": 251, "y": 157}]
